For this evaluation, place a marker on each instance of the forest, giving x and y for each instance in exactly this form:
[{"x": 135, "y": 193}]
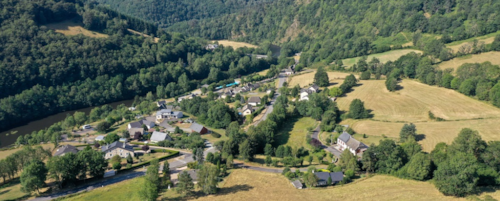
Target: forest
[{"x": 44, "y": 72}]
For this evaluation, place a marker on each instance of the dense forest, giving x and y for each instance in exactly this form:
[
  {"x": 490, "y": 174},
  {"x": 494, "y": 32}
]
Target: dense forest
[
  {"x": 330, "y": 30},
  {"x": 43, "y": 72}
]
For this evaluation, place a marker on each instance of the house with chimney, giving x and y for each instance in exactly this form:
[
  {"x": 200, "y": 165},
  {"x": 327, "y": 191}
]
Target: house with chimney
[
  {"x": 117, "y": 148},
  {"x": 346, "y": 142}
]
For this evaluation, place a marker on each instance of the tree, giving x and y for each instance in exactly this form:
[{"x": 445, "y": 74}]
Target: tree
[
  {"x": 148, "y": 191},
  {"x": 310, "y": 179},
  {"x": 280, "y": 151},
  {"x": 468, "y": 141},
  {"x": 348, "y": 161},
  {"x": 199, "y": 156},
  {"x": 126, "y": 134},
  {"x": 152, "y": 174},
  {"x": 229, "y": 161},
  {"x": 166, "y": 171},
  {"x": 268, "y": 150},
  {"x": 408, "y": 131},
  {"x": 103, "y": 127},
  {"x": 457, "y": 176},
  {"x": 245, "y": 150},
  {"x": 185, "y": 185},
  {"x": 80, "y": 118},
  {"x": 357, "y": 110},
  {"x": 208, "y": 178},
  {"x": 268, "y": 160},
  {"x": 110, "y": 138},
  {"x": 310, "y": 159},
  {"x": 411, "y": 147},
  {"x": 33, "y": 176},
  {"x": 69, "y": 122},
  {"x": 419, "y": 167},
  {"x": 391, "y": 84},
  {"x": 335, "y": 92},
  {"x": 365, "y": 75},
  {"x": 495, "y": 94},
  {"x": 321, "y": 77},
  {"x": 468, "y": 87},
  {"x": 130, "y": 160},
  {"x": 145, "y": 147},
  {"x": 491, "y": 156}
]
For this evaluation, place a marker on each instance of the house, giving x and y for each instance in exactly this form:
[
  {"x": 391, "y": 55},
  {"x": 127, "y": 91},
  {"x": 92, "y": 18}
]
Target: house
[
  {"x": 195, "y": 127},
  {"x": 211, "y": 46},
  {"x": 237, "y": 90},
  {"x": 289, "y": 71},
  {"x": 336, "y": 177},
  {"x": 247, "y": 110},
  {"x": 304, "y": 94},
  {"x": 346, "y": 142},
  {"x": 254, "y": 100},
  {"x": 99, "y": 138},
  {"x": 86, "y": 127},
  {"x": 189, "y": 96},
  {"x": 297, "y": 184},
  {"x": 117, "y": 148},
  {"x": 62, "y": 150},
  {"x": 159, "y": 136},
  {"x": 168, "y": 114},
  {"x": 138, "y": 124},
  {"x": 314, "y": 88},
  {"x": 161, "y": 104},
  {"x": 133, "y": 131}
]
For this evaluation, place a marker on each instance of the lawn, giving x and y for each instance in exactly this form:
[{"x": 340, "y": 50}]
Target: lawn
[
  {"x": 71, "y": 28},
  {"x": 126, "y": 190},
  {"x": 308, "y": 78},
  {"x": 234, "y": 44},
  {"x": 474, "y": 58},
  {"x": 487, "y": 39},
  {"x": 254, "y": 185},
  {"x": 11, "y": 191},
  {"x": 383, "y": 57},
  {"x": 296, "y": 136},
  {"x": 4, "y": 154}
]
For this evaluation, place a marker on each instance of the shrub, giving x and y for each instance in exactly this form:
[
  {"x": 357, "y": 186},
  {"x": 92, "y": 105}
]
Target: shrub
[{"x": 145, "y": 148}]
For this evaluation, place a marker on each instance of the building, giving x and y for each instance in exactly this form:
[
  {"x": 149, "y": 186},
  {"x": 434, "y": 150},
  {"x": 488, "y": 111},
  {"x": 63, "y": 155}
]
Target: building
[
  {"x": 99, "y": 138},
  {"x": 211, "y": 46},
  {"x": 254, "y": 100},
  {"x": 159, "y": 136},
  {"x": 346, "y": 141},
  {"x": 247, "y": 110},
  {"x": 62, "y": 150},
  {"x": 161, "y": 104},
  {"x": 133, "y": 131},
  {"x": 86, "y": 127},
  {"x": 297, "y": 184},
  {"x": 314, "y": 88},
  {"x": 189, "y": 96},
  {"x": 138, "y": 124},
  {"x": 168, "y": 114},
  {"x": 117, "y": 148},
  {"x": 304, "y": 94},
  {"x": 289, "y": 71},
  {"x": 195, "y": 127},
  {"x": 336, "y": 177}
]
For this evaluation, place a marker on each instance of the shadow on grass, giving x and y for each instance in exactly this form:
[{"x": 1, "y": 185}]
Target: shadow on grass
[
  {"x": 3, "y": 192},
  {"x": 419, "y": 137},
  {"x": 221, "y": 191},
  {"x": 284, "y": 132}
]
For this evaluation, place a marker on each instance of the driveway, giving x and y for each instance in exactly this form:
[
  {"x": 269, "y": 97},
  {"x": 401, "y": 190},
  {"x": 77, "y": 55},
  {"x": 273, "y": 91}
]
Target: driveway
[{"x": 332, "y": 150}]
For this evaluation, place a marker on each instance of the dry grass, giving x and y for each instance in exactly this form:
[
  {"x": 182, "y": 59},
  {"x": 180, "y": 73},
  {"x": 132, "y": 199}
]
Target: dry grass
[
  {"x": 235, "y": 45},
  {"x": 253, "y": 185},
  {"x": 4, "y": 154},
  {"x": 296, "y": 137},
  {"x": 156, "y": 39},
  {"x": 127, "y": 190},
  {"x": 263, "y": 73},
  {"x": 71, "y": 28},
  {"x": 487, "y": 39},
  {"x": 414, "y": 101},
  {"x": 308, "y": 78},
  {"x": 383, "y": 57},
  {"x": 475, "y": 58}
]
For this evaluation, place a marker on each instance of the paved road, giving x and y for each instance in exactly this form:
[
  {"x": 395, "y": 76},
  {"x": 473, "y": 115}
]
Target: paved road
[
  {"x": 332, "y": 150},
  {"x": 281, "y": 79}
]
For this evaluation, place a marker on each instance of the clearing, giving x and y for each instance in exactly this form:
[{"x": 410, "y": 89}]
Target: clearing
[
  {"x": 391, "y": 110},
  {"x": 474, "y": 58},
  {"x": 487, "y": 39},
  {"x": 252, "y": 185},
  {"x": 383, "y": 57},
  {"x": 235, "y": 45},
  {"x": 156, "y": 39},
  {"x": 71, "y": 28},
  {"x": 308, "y": 78},
  {"x": 296, "y": 137}
]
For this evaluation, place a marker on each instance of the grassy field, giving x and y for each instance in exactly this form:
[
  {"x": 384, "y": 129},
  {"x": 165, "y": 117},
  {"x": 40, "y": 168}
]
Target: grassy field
[
  {"x": 253, "y": 185},
  {"x": 308, "y": 78},
  {"x": 475, "y": 58},
  {"x": 127, "y": 190},
  {"x": 234, "y": 44},
  {"x": 411, "y": 104},
  {"x": 71, "y": 28},
  {"x": 11, "y": 191},
  {"x": 487, "y": 39},
  {"x": 296, "y": 136},
  {"x": 4, "y": 154},
  {"x": 383, "y": 57}
]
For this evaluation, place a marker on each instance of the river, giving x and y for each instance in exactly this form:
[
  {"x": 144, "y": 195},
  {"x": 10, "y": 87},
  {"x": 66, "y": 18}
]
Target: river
[{"x": 7, "y": 138}]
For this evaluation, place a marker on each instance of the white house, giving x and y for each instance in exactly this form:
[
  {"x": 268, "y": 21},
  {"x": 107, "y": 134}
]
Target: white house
[
  {"x": 117, "y": 148},
  {"x": 99, "y": 138},
  {"x": 314, "y": 88},
  {"x": 168, "y": 114},
  {"x": 254, "y": 100},
  {"x": 247, "y": 110},
  {"x": 159, "y": 136},
  {"x": 346, "y": 142},
  {"x": 138, "y": 124},
  {"x": 289, "y": 71},
  {"x": 304, "y": 94}
]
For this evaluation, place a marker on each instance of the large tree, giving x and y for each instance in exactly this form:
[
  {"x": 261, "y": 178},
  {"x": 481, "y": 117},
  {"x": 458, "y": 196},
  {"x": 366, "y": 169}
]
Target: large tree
[
  {"x": 321, "y": 77},
  {"x": 185, "y": 185},
  {"x": 357, "y": 110},
  {"x": 468, "y": 141},
  {"x": 208, "y": 178},
  {"x": 457, "y": 175},
  {"x": 33, "y": 176},
  {"x": 408, "y": 131},
  {"x": 419, "y": 167}
]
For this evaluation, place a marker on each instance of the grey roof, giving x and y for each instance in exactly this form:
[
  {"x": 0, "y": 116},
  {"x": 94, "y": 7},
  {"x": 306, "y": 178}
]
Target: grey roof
[
  {"x": 306, "y": 90},
  {"x": 254, "y": 99},
  {"x": 135, "y": 125},
  {"x": 344, "y": 137},
  {"x": 351, "y": 142},
  {"x": 336, "y": 176},
  {"x": 196, "y": 127},
  {"x": 160, "y": 103},
  {"x": 315, "y": 87},
  {"x": 247, "y": 106},
  {"x": 117, "y": 144},
  {"x": 193, "y": 174},
  {"x": 163, "y": 111},
  {"x": 66, "y": 149},
  {"x": 297, "y": 184},
  {"x": 159, "y": 136},
  {"x": 147, "y": 122},
  {"x": 100, "y": 137},
  {"x": 322, "y": 176},
  {"x": 132, "y": 131}
]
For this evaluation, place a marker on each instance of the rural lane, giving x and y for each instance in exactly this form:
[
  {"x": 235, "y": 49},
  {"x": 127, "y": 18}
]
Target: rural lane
[
  {"x": 332, "y": 150},
  {"x": 281, "y": 80}
]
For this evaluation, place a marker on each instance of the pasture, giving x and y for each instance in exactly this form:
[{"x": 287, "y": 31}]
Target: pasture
[
  {"x": 474, "y": 58},
  {"x": 126, "y": 190},
  {"x": 308, "y": 78},
  {"x": 296, "y": 135},
  {"x": 234, "y": 44},
  {"x": 383, "y": 57},
  {"x": 71, "y": 28},
  {"x": 487, "y": 39}
]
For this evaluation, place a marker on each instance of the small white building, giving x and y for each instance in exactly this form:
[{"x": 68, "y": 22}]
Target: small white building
[
  {"x": 99, "y": 138},
  {"x": 247, "y": 110},
  {"x": 86, "y": 127},
  {"x": 159, "y": 136},
  {"x": 304, "y": 94}
]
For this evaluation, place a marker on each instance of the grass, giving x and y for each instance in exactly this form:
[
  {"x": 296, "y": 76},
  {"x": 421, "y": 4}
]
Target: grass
[
  {"x": 475, "y": 58},
  {"x": 487, "y": 39},
  {"x": 71, "y": 28},
  {"x": 126, "y": 190},
  {"x": 235, "y": 45},
  {"x": 253, "y": 185},
  {"x": 308, "y": 78},
  {"x": 296, "y": 136},
  {"x": 4, "y": 154},
  {"x": 263, "y": 73},
  {"x": 383, "y": 57},
  {"x": 391, "y": 110},
  {"x": 12, "y": 191},
  {"x": 400, "y": 39}
]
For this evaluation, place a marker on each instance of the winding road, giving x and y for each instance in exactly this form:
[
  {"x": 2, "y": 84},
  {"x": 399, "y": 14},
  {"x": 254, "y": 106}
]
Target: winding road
[
  {"x": 332, "y": 150},
  {"x": 281, "y": 80}
]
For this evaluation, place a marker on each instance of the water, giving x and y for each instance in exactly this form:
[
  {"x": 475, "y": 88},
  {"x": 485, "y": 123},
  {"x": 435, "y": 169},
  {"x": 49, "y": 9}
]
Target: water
[{"x": 7, "y": 138}]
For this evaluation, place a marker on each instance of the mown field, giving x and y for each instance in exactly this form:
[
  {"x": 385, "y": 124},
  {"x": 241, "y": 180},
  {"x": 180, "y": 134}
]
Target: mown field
[
  {"x": 383, "y": 57},
  {"x": 126, "y": 190},
  {"x": 412, "y": 103},
  {"x": 487, "y": 39},
  {"x": 308, "y": 78},
  {"x": 296, "y": 136},
  {"x": 70, "y": 28},
  {"x": 234, "y": 44},
  {"x": 493, "y": 57}
]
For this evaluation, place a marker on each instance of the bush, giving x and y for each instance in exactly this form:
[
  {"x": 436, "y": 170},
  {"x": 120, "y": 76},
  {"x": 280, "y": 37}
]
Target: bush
[
  {"x": 145, "y": 148},
  {"x": 117, "y": 166},
  {"x": 192, "y": 165}
]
